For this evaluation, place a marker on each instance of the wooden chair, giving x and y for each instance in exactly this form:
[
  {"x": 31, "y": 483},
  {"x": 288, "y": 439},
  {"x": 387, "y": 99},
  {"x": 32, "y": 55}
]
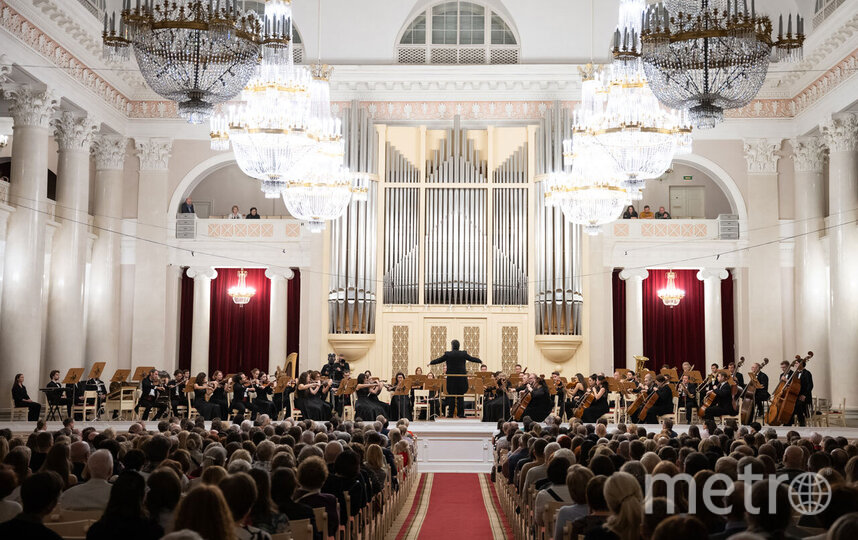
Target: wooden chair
[
  {"x": 87, "y": 406},
  {"x": 193, "y": 413},
  {"x": 19, "y": 414},
  {"x": 301, "y": 529},
  {"x": 65, "y": 516},
  {"x": 737, "y": 417},
  {"x": 421, "y": 403},
  {"x": 296, "y": 414},
  {"x": 70, "y": 529},
  {"x": 837, "y": 415},
  {"x": 321, "y": 520},
  {"x": 549, "y": 517},
  {"x": 122, "y": 405}
]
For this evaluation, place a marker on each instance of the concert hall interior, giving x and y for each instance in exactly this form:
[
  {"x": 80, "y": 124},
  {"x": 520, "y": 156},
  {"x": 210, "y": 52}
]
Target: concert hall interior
[{"x": 427, "y": 234}]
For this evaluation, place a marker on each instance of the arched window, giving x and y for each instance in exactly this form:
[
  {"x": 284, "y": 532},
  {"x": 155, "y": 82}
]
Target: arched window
[{"x": 458, "y": 33}]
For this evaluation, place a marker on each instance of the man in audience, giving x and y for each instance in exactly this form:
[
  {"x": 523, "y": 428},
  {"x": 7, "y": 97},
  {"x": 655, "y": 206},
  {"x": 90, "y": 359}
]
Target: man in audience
[
  {"x": 8, "y": 483},
  {"x": 662, "y": 213},
  {"x": 95, "y": 492},
  {"x": 646, "y": 213},
  {"x": 187, "y": 207},
  {"x": 79, "y": 455},
  {"x": 312, "y": 474},
  {"x": 39, "y": 495}
]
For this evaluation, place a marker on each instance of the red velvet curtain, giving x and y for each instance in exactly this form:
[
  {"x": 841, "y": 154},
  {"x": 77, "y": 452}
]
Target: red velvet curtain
[
  {"x": 239, "y": 335},
  {"x": 727, "y": 336},
  {"x": 619, "y": 304},
  {"x": 674, "y": 335},
  {"x": 293, "y": 315},
  {"x": 186, "y": 320}
]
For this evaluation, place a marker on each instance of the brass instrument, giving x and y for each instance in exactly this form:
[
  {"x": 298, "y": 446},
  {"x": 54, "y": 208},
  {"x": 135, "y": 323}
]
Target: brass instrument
[{"x": 639, "y": 364}]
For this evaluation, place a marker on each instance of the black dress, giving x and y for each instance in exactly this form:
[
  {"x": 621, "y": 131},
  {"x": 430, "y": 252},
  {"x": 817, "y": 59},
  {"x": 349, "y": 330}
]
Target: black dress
[
  {"x": 596, "y": 410},
  {"x": 311, "y": 405},
  {"x": 400, "y": 407},
  {"x": 368, "y": 406},
  {"x": 218, "y": 398},
  {"x": 496, "y": 405},
  {"x": 540, "y": 405},
  {"x": 19, "y": 395},
  {"x": 206, "y": 409},
  {"x": 262, "y": 401}
]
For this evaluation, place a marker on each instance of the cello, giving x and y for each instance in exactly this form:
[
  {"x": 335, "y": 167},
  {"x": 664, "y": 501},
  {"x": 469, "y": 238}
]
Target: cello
[
  {"x": 519, "y": 408},
  {"x": 748, "y": 395},
  {"x": 583, "y": 404},
  {"x": 639, "y": 402},
  {"x": 650, "y": 402},
  {"x": 786, "y": 395}
]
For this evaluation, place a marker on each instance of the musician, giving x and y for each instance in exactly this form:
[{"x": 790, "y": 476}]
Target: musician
[
  {"x": 264, "y": 388},
  {"x": 176, "y": 391},
  {"x": 598, "y": 386},
  {"x": 687, "y": 367},
  {"x": 341, "y": 401},
  {"x": 762, "y": 393},
  {"x": 150, "y": 389},
  {"x": 307, "y": 398},
  {"x": 805, "y": 396},
  {"x": 202, "y": 391},
  {"x": 711, "y": 382},
  {"x": 687, "y": 395},
  {"x": 400, "y": 406},
  {"x": 368, "y": 406},
  {"x": 240, "y": 401},
  {"x": 540, "y": 400},
  {"x": 575, "y": 393},
  {"x": 737, "y": 376},
  {"x": 664, "y": 401},
  {"x": 218, "y": 395},
  {"x": 496, "y": 403},
  {"x": 434, "y": 400},
  {"x": 58, "y": 397},
  {"x": 559, "y": 398},
  {"x": 457, "y": 380},
  {"x": 282, "y": 401},
  {"x": 723, "y": 404},
  {"x": 22, "y": 399}
]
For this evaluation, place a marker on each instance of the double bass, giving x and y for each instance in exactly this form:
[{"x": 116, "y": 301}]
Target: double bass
[
  {"x": 785, "y": 395},
  {"x": 747, "y": 397}
]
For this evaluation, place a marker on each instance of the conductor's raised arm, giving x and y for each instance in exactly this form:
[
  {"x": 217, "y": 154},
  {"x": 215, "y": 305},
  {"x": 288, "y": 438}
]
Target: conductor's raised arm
[
  {"x": 470, "y": 358},
  {"x": 439, "y": 360}
]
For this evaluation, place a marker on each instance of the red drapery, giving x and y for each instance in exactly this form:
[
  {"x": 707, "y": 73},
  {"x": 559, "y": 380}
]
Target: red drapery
[
  {"x": 293, "y": 315},
  {"x": 674, "y": 335},
  {"x": 186, "y": 320},
  {"x": 727, "y": 336},
  {"x": 619, "y": 312},
  {"x": 238, "y": 336}
]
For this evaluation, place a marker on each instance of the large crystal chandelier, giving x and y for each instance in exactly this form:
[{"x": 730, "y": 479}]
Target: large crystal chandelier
[
  {"x": 241, "y": 293},
  {"x": 194, "y": 52},
  {"x": 706, "y": 56},
  {"x": 671, "y": 295}
]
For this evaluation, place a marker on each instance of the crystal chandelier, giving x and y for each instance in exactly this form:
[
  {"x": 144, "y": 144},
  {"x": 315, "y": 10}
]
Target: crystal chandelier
[
  {"x": 241, "y": 293},
  {"x": 670, "y": 295},
  {"x": 705, "y": 56},
  {"x": 194, "y": 52}
]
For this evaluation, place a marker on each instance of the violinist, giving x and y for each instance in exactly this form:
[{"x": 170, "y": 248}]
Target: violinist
[
  {"x": 308, "y": 400},
  {"x": 400, "y": 406},
  {"x": 598, "y": 386},
  {"x": 175, "y": 389},
  {"x": 723, "y": 404},
  {"x": 737, "y": 376},
  {"x": 281, "y": 400},
  {"x": 203, "y": 388},
  {"x": 762, "y": 393},
  {"x": 264, "y": 388},
  {"x": 254, "y": 376},
  {"x": 240, "y": 400},
  {"x": 324, "y": 392},
  {"x": 496, "y": 403},
  {"x": 150, "y": 389},
  {"x": 802, "y": 406},
  {"x": 575, "y": 394},
  {"x": 687, "y": 395},
  {"x": 218, "y": 393},
  {"x": 559, "y": 399},
  {"x": 368, "y": 406},
  {"x": 340, "y": 401},
  {"x": 540, "y": 401}
]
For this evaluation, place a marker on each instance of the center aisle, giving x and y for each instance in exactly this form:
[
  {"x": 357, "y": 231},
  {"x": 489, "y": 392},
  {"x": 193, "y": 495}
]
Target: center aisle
[{"x": 461, "y": 505}]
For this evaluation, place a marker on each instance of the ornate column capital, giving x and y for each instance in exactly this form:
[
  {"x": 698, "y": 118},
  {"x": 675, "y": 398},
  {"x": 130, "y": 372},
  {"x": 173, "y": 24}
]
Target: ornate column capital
[
  {"x": 634, "y": 273},
  {"x": 761, "y": 155},
  {"x": 31, "y": 107},
  {"x": 712, "y": 273},
  {"x": 808, "y": 154},
  {"x": 274, "y": 272},
  {"x": 109, "y": 152},
  {"x": 154, "y": 154},
  {"x": 841, "y": 132},
  {"x": 74, "y": 133},
  {"x": 195, "y": 272}
]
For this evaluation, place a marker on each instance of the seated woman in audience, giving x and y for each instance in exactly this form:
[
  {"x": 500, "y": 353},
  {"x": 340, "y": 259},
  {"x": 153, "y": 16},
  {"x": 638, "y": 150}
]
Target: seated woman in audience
[
  {"x": 21, "y": 398},
  {"x": 8, "y": 483},
  {"x": 235, "y": 214},
  {"x": 576, "y": 483},
  {"x": 124, "y": 516},
  {"x": 58, "y": 461},
  {"x": 204, "y": 511},
  {"x": 630, "y": 213},
  {"x": 283, "y": 485},
  {"x": 597, "y": 508},
  {"x": 375, "y": 463},
  {"x": 165, "y": 491},
  {"x": 240, "y": 492},
  {"x": 624, "y": 498},
  {"x": 264, "y": 514},
  {"x": 253, "y": 213},
  {"x": 556, "y": 492}
]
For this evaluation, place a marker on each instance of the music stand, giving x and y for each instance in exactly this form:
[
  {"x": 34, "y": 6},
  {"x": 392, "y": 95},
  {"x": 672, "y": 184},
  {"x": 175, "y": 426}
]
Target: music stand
[
  {"x": 695, "y": 377},
  {"x": 140, "y": 373},
  {"x": 670, "y": 373},
  {"x": 97, "y": 369},
  {"x": 613, "y": 384},
  {"x": 72, "y": 378},
  {"x": 120, "y": 376},
  {"x": 189, "y": 387}
]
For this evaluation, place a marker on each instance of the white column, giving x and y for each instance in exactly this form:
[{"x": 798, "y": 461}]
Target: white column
[
  {"x": 811, "y": 271},
  {"x": 278, "y": 316},
  {"x": 634, "y": 312},
  {"x": 842, "y": 139},
  {"x": 66, "y": 336},
  {"x": 148, "y": 340},
  {"x": 714, "y": 332},
  {"x": 102, "y": 340},
  {"x": 764, "y": 275},
  {"x": 21, "y": 310},
  {"x": 202, "y": 276}
]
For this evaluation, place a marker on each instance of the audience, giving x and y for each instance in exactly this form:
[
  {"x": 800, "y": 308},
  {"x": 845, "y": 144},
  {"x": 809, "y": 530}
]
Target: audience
[
  {"x": 253, "y": 214},
  {"x": 662, "y": 213},
  {"x": 8, "y": 483},
  {"x": 630, "y": 213},
  {"x": 646, "y": 213},
  {"x": 95, "y": 492},
  {"x": 125, "y": 516},
  {"x": 235, "y": 214},
  {"x": 39, "y": 495}
]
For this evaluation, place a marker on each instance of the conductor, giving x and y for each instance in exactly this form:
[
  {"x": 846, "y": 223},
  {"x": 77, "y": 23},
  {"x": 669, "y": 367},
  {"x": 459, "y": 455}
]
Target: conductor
[{"x": 457, "y": 380}]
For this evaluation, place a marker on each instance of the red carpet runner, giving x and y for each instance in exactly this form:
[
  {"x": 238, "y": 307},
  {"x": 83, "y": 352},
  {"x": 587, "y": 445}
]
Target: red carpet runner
[{"x": 461, "y": 505}]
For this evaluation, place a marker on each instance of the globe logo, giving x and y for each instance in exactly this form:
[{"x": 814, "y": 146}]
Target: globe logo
[{"x": 809, "y": 493}]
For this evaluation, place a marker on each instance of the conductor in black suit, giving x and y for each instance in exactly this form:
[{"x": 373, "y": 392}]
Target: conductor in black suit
[
  {"x": 457, "y": 381},
  {"x": 187, "y": 207}
]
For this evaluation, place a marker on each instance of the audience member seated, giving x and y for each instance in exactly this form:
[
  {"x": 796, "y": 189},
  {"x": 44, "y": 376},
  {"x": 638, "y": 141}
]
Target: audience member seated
[
  {"x": 39, "y": 495},
  {"x": 576, "y": 484},
  {"x": 630, "y": 213},
  {"x": 264, "y": 513},
  {"x": 163, "y": 496},
  {"x": 239, "y": 490},
  {"x": 187, "y": 207},
  {"x": 647, "y": 213},
  {"x": 662, "y": 213},
  {"x": 95, "y": 492},
  {"x": 125, "y": 516},
  {"x": 312, "y": 475},
  {"x": 253, "y": 214},
  {"x": 8, "y": 483},
  {"x": 204, "y": 511},
  {"x": 557, "y": 490},
  {"x": 235, "y": 214}
]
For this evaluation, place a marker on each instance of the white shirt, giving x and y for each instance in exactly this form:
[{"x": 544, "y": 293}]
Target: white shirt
[
  {"x": 8, "y": 510},
  {"x": 91, "y": 495},
  {"x": 235, "y": 216}
]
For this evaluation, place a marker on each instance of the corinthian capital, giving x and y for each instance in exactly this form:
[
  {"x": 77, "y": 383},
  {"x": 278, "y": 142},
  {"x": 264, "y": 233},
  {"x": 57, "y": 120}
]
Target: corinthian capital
[
  {"x": 31, "y": 107},
  {"x": 109, "y": 152},
  {"x": 154, "y": 153},
  {"x": 841, "y": 132},
  {"x": 808, "y": 154},
  {"x": 74, "y": 133},
  {"x": 761, "y": 155}
]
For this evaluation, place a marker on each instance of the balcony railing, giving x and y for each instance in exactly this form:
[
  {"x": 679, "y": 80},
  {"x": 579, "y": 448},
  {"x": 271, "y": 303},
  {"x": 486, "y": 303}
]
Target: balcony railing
[
  {"x": 264, "y": 230},
  {"x": 663, "y": 229}
]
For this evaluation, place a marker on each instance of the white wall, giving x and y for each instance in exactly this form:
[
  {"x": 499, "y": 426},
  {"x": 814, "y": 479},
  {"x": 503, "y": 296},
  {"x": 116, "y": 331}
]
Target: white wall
[
  {"x": 657, "y": 193},
  {"x": 229, "y": 186}
]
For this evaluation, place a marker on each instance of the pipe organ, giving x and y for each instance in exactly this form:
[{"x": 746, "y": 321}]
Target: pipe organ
[
  {"x": 558, "y": 242},
  {"x": 352, "y": 294}
]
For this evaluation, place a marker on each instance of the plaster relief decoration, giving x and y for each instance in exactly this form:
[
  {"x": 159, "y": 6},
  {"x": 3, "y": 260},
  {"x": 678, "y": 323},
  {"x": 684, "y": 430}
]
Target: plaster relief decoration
[
  {"x": 808, "y": 154},
  {"x": 509, "y": 348},
  {"x": 399, "y": 347},
  {"x": 154, "y": 153},
  {"x": 673, "y": 230},
  {"x": 471, "y": 344},
  {"x": 761, "y": 155},
  {"x": 437, "y": 347},
  {"x": 4, "y": 192},
  {"x": 841, "y": 133},
  {"x": 74, "y": 133},
  {"x": 240, "y": 230},
  {"x": 31, "y": 107},
  {"x": 109, "y": 152}
]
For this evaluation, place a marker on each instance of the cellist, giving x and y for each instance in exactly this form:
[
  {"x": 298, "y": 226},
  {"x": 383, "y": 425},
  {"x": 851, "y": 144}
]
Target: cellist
[
  {"x": 805, "y": 394},
  {"x": 723, "y": 398},
  {"x": 762, "y": 393}
]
